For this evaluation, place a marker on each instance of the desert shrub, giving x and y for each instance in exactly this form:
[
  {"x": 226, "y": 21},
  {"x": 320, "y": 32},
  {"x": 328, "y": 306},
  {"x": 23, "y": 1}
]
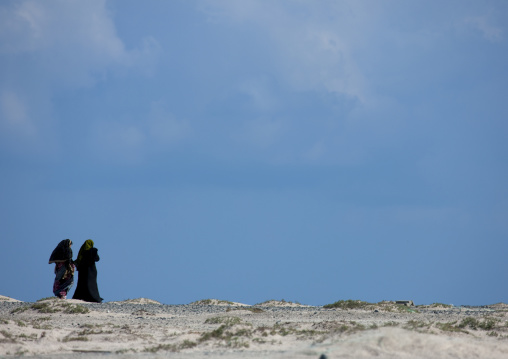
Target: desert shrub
[
  {"x": 440, "y": 305},
  {"x": 19, "y": 309},
  {"x": 251, "y": 309},
  {"x": 473, "y": 323},
  {"x": 186, "y": 344},
  {"x": 488, "y": 324},
  {"x": 165, "y": 347},
  {"x": 469, "y": 322},
  {"x": 414, "y": 324},
  {"x": 228, "y": 321},
  {"x": 8, "y": 337},
  {"x": 75, "y": 309},
  {"x": 223, "y": 333},
  {"x": 28, "y": 337},
  {"x": 47, "y": 298},
  {"x": 348, "y": 304},
  {"x": 390, "y": 324},
  {"x": 44, "y": 308},
  {"x": 255, "y": 310},
  {"x": 450, "y": 327},
  {"x": 214, "y": 334}
]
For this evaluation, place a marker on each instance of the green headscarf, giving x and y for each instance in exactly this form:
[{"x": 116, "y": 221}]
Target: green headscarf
[{"x": 85, "y": 247}]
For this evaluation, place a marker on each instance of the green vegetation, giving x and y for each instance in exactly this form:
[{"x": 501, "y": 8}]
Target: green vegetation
[
  {"x": 229, "y": 337},
  {"x": 124, "y": 351},
  {"x": 228, "y": 321},
  {"x": 470, "y": 323},
  {"x": 44, "y": 308},
  {"x": 89, "y": 331},
  {"x": 390, "y": 324},
  {"x": 473, "y": 323},
  {"x": 47, "y": 298},
  {"x": 28, "y": 337},
  {"x": 90, "y": 326},
  {"x": 186, "y": 344},
  {"x": 7, "y": 337},
  {"x": 19, "y": 309},
  {"x": 250, "y": 309},
  {"x": 349, "y": 304},
  {"x": 53, "y": 306},
  {"x": 450, "y": 327},
  {"x": 440, "y": 305},
  {"x": 75, "y": 309},
  {"x": 385, "y": 306},
  {"x": 255, "y": 310},
  {"x": 415, "y": 325},
  {"x": 75, "y": 339},
  {"x": 42, "y": 327},
  {"x": 60, "y": 306}
]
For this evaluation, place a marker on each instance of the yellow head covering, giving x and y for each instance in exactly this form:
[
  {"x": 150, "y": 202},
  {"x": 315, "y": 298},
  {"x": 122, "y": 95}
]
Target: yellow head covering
[{"x": 85, "y": 247}]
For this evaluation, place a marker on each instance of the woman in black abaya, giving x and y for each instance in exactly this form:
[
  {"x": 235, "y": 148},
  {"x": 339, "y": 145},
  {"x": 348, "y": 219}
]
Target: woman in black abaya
[
  {"x": 87, "y": 289},
  {"x": 64, "y": 268}
]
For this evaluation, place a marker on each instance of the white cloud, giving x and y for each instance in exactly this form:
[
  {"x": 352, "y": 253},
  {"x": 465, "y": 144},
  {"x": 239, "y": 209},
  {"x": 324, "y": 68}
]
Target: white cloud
[
  {"x": 21, "y": 27},
  {"x": 14, "y": 119},
  {"x": 376, "y": 57},
  {"x": 488, "y": 30},
  {"x": 70, "y": 39},
  {"x": 47, "y": 47},
  {"x": 307, "y": 39}
]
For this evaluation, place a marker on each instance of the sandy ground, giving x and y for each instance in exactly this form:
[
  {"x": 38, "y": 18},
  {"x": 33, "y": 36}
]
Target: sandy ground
[{"x": 144, "y": 328}]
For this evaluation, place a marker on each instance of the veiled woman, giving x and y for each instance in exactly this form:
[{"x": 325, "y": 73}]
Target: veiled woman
[
  {"x": 64, "y": 268},
  {"x": 87, "y": 289}
]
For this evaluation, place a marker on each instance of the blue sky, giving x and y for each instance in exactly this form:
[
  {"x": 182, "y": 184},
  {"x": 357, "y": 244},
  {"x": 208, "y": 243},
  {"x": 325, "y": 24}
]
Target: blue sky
[{"x": 310, "y": 151}]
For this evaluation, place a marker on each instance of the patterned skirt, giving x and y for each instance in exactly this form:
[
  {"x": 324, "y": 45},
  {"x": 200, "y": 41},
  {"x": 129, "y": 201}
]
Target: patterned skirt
[{"x": 64, "y": 279}]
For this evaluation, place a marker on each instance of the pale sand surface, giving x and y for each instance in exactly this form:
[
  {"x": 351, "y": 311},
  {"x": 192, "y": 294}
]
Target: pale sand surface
[{"x": 144, "y": 328}]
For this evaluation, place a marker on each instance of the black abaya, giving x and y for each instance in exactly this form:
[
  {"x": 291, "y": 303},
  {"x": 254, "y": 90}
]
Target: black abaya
[{"x": 87, "y": 289}]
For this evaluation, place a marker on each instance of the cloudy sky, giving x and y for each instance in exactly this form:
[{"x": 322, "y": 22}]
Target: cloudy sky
[{"x": 248, "y": 150}]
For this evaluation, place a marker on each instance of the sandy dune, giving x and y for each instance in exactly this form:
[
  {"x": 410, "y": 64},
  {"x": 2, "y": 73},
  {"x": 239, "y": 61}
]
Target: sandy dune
[{"x": 144, "y": 328}]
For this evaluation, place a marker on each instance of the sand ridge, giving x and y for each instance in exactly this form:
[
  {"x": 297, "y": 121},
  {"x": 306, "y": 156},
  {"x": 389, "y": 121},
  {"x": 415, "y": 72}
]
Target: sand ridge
[
  {"x": 144, "y": 328},
  {"x": 8, "y": 299}
]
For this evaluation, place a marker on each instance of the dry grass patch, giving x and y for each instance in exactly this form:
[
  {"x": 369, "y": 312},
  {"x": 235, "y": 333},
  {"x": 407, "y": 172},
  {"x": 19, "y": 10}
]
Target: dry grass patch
[
  {"x": 7, "y": 337},
  {"x": 385, "y": 306},
  {"x": 186, "y": 344},
  {"x": 75, "y": 339},
  {"x": 53, "y": 305},
  {"x": 227, "y": 321}
]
